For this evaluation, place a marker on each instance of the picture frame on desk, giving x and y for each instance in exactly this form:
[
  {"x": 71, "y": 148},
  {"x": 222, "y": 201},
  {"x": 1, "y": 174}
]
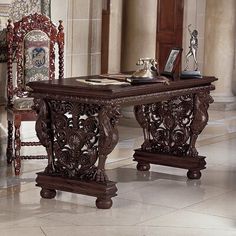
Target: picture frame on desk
[{"x": 172, "y": 62}]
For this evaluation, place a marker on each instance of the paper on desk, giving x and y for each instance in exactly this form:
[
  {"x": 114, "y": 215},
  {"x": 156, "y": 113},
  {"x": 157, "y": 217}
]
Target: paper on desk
[
  {"x": 102, "y": 81},
  {"x": 118, "y": 76}
]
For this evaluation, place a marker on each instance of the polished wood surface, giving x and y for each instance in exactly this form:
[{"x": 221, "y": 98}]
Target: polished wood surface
[
  {"x": 77, "y": 124},
  {"x": 72, "y": 87}
]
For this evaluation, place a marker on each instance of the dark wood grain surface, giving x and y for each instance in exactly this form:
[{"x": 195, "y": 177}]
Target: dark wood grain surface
[{"x": 72, "y": 87}]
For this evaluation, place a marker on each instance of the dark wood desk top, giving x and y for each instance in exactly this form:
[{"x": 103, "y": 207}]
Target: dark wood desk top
[{"x": 72, "y": 87}]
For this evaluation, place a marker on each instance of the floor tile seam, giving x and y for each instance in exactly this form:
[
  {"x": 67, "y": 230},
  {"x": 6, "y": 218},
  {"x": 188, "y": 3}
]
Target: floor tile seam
[
  {"x": 136, "y": 188},
  {"x": 152, "y": 218},
  {"x": 179, "y": 181},
  {"x": 22, "y": 191},
  {"x": 216, "y": 187},
  {"x": 17, "y": 227},
  {"x": 196, "y": 212},
  {"x": 150, "y": 204},
  {"x": 114, "y": 162},
  {"x": 209, "y": 214},
  {"x": 42, "y": 217},
  {"x": 52, "y": 213},
  {"x": 43, "y": 231},
  {"x": 193, "y": 228},
  {"x": 225, "y": 137},
  {"x": 207, "y": 199},
  {"x": 181, "y": 208},
  {"x": 145, "y": 226},
  {"x": 66, "y": 224},
  {"x": 228, "y": 118},
  {"x": 16, "y": 212},
  {"x": 117, "y": 162}
]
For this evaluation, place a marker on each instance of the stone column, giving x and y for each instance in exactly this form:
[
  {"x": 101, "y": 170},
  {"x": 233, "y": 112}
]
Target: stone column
[
  {"x": 138, "y": 36},
  {"x": 139, "y": 31},
  {"x": 83, "y": 38},
  {"x": 115, "y": 36},
  {"x": 220, "y": 50}
]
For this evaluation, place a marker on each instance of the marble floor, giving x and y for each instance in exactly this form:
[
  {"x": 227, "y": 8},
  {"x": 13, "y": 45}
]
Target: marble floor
[{"x": 160, "y": 202}]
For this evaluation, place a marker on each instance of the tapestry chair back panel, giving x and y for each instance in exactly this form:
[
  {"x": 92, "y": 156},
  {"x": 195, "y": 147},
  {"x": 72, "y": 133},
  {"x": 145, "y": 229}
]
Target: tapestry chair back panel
[
  {"x": 31, "y": 45},
  {"x": 36, "y": 56}
]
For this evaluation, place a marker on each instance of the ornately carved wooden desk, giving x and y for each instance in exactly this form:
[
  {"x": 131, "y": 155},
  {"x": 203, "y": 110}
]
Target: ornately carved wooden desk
[{"x": 77, "y": 123}]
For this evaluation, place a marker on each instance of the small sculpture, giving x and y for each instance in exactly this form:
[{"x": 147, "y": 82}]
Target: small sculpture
[{"x": 193, "y": 47}]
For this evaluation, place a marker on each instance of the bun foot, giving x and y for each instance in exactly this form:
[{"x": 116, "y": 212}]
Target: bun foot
[
  {"x": 103, "y": 203},
  {"x": 194, "y": 174},
  {"x": 47, "y": 193},
  {"x": 143, "y": 166}
]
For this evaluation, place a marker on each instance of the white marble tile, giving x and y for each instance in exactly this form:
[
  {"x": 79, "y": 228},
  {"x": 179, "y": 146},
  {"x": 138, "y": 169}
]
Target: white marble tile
[
  {"x": 29, "y": 231},
  {"x": 180, "y": 193},
  {"x": 123, "y": 212},
  {"x": 24, "y": 220},
  {"x": 223, "y": 205},
  {"x": 219, "y": 175},
  {"x": 220, "y": 153},
  {"x": 183, "y": 218},
  {"x": 133, "y": 231}
]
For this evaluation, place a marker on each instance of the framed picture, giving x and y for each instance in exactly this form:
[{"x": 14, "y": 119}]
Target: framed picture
[{"x": 172, "y": 62}]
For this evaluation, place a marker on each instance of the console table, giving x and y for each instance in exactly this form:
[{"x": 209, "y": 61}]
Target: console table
[{"x": 77, "y": 124}]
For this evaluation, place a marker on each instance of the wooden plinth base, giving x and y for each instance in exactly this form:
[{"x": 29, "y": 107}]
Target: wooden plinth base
[
  {"x": 103, "y": 191},
  {"x": 193, "y": 164}
]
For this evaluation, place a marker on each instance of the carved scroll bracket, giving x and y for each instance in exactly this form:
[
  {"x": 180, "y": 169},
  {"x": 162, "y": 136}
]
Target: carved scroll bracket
[
  {"x": 200, "y": 119},
  {"x": 44, "y": 130},
  {"x": 172, "y": 126},
  {"x": 108, "y": 137}
]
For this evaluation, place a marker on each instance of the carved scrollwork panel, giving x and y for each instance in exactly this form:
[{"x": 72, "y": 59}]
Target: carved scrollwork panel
[
  {"x": 166, "y": 124},
  {"x": 75, "y": 145},
  {"x": 80, "y": 134}
]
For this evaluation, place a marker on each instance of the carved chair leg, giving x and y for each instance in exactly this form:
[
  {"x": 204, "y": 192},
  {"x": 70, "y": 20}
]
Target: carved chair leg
[
  {"x": 9, "y": 151},
  {"x": 17, "y": 146}
]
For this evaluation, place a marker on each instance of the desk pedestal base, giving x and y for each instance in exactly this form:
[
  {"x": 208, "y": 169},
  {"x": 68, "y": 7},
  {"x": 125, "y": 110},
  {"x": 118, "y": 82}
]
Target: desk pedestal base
[
  {"x": 103, "y": 191},
  {"x": 193, "y": 164}
]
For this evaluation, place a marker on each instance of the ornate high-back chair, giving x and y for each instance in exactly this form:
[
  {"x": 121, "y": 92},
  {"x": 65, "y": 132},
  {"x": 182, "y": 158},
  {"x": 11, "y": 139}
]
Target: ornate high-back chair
[{"x": 31, "y": 53}]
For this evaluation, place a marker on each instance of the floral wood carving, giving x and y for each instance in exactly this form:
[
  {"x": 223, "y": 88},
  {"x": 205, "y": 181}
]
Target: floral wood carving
[
  {"x": 172, "y": 126},
  {"x": 81, "y": 135}
]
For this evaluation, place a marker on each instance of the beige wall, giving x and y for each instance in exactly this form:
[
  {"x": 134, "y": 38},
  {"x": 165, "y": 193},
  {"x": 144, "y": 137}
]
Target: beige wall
[
  {"x": 83, "y": 39},
  {"x": 116, "y": 14}
]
